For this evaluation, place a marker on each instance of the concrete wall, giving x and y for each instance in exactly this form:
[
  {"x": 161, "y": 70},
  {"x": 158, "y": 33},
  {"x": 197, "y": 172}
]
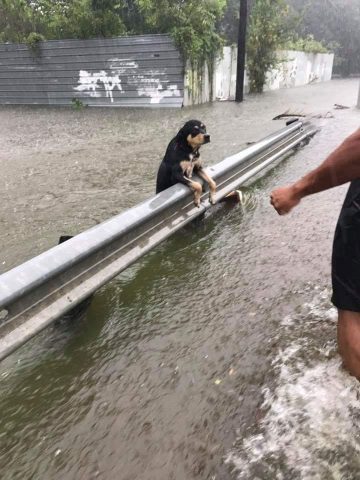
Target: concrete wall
[
  {"x": 297, "y": 68},
  {"x": 300, "y": 68}
]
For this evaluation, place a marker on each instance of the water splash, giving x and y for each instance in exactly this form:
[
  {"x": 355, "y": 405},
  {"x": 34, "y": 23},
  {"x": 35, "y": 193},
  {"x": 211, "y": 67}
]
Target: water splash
[{"x": 310, "y": 427}]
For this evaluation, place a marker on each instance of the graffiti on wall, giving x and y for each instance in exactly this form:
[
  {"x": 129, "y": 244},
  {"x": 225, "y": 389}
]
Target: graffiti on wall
[
  {"x": 123, "y": 75},
  {"x": 93, "y": 83}
]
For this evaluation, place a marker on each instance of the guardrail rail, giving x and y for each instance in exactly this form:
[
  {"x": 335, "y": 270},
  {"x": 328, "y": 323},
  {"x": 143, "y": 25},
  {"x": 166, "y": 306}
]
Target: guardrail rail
[{"x": 48, "y": 286}]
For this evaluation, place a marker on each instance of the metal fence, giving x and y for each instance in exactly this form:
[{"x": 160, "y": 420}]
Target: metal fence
[{"x": 135, "y": 71}]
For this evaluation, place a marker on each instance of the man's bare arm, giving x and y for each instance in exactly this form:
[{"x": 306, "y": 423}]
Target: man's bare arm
[{"x": 342, "y": 166}]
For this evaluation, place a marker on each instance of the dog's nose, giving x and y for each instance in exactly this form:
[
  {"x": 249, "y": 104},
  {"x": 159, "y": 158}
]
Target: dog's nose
[{"x": 206, "y": 138}]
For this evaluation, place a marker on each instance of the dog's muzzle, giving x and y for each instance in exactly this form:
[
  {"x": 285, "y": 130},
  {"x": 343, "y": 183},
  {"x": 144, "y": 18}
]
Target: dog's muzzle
[{"x": 206, "y": 138}]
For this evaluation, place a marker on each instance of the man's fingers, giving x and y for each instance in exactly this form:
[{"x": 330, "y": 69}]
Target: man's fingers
[
  {"x": 277, "y": 207},
  {"x": 282, "y": 200},
  {"x": 274, "y": 203}
]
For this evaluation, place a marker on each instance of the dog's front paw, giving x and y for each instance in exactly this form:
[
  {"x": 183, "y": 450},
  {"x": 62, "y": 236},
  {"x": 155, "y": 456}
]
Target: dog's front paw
[
  {"x": 197, "y": 189},
  {"x": 212, "y": 192},
  {"x": 212, "y": 198}
]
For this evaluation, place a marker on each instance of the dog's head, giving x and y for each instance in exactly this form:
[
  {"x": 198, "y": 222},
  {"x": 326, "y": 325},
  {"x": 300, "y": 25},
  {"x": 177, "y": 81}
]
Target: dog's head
[{"x": 194, "y": 133}]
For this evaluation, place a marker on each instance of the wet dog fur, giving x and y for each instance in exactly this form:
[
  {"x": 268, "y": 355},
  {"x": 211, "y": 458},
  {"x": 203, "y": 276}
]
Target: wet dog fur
[{"x": 182, "y": 159}]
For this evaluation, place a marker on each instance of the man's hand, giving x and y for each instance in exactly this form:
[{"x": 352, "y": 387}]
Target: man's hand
[
  {"x": 284, "y": 199},
  {"x": 342, "y": 166}
]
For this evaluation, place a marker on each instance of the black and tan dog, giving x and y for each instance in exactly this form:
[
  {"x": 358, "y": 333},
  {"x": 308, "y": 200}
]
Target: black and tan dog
[{"x": 182, "y": 159}]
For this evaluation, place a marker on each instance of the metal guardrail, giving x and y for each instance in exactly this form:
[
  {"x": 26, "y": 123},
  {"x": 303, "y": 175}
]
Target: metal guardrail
[{"x": 43, "y": 289}]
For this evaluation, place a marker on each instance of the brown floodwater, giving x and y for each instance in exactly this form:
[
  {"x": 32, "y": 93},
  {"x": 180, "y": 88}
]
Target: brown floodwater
[{"x": 214, "y": 357}]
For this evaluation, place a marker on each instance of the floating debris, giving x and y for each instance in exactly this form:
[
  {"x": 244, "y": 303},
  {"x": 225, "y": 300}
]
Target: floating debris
[
  {"x": 288, "y": 114},
  {"x": 337, "y": 106}
]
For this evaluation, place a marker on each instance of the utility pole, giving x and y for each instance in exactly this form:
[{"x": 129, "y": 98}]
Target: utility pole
[{"x": 240, "y": 73}]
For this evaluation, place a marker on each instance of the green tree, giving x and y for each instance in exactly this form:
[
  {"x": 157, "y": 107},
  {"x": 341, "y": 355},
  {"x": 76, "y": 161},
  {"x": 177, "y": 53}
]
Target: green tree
[
  {"x": 78, "y": 18},
  {"x": 132, "y": 17},
  {"x": 266, "y": 34},
  {"x": 192, "y": 23},
  {"x": 57, "y": 19},
  {"x": 107, "y": 18},
  {"x": 230, "y": 22},
  {"x": 16, "y": 20},
  {"x": 336, "y": 24}
]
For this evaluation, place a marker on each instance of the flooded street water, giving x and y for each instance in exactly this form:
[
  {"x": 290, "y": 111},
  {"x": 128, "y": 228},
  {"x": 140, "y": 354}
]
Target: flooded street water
[{"x": 214, "y": 357}]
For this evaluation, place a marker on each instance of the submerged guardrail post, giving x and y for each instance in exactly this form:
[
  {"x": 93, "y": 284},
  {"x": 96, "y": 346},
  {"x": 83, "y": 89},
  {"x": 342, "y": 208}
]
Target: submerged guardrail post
[{"x": 45, "y": 288}]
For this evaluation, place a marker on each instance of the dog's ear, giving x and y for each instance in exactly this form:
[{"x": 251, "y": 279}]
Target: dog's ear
[{"x": 183, "y": 133}]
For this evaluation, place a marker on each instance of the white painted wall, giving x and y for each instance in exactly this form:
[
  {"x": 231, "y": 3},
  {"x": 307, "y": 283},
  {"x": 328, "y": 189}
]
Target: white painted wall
[
  {"x": 225, "y": 75},
  {"x": 197, "y": 86},
  {"x": 300, "y": 68},
  {"x": 297, "y": 68}
]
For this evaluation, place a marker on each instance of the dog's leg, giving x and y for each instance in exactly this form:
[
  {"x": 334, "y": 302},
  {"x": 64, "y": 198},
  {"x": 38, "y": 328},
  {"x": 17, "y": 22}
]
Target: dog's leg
[
  {"x": 197, "y": 189},
  {"x": 210, "y": 182}
]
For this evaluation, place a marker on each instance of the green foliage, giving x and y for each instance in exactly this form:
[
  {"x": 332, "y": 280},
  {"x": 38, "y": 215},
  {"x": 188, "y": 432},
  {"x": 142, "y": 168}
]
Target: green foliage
[
  {"x": 266, "y": 35},
  {"x": 307, "y": 44},
  {"x": 229, "y": 25},
  {"x": 77, "y": 104},
  {"x": 57, "y": 19},
  {"x": 78, "y": 18},
  {"x": 32, "y": 40},
  {"x": 16, "y": 20},
  {"x": 133, "y": 18},
  {"x": 192, "y": 23},
  {"x": 335, "y": 23}
]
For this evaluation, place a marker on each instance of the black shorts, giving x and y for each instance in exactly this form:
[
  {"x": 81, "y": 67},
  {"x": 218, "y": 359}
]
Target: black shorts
[{"x": 346, "y": 256}]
